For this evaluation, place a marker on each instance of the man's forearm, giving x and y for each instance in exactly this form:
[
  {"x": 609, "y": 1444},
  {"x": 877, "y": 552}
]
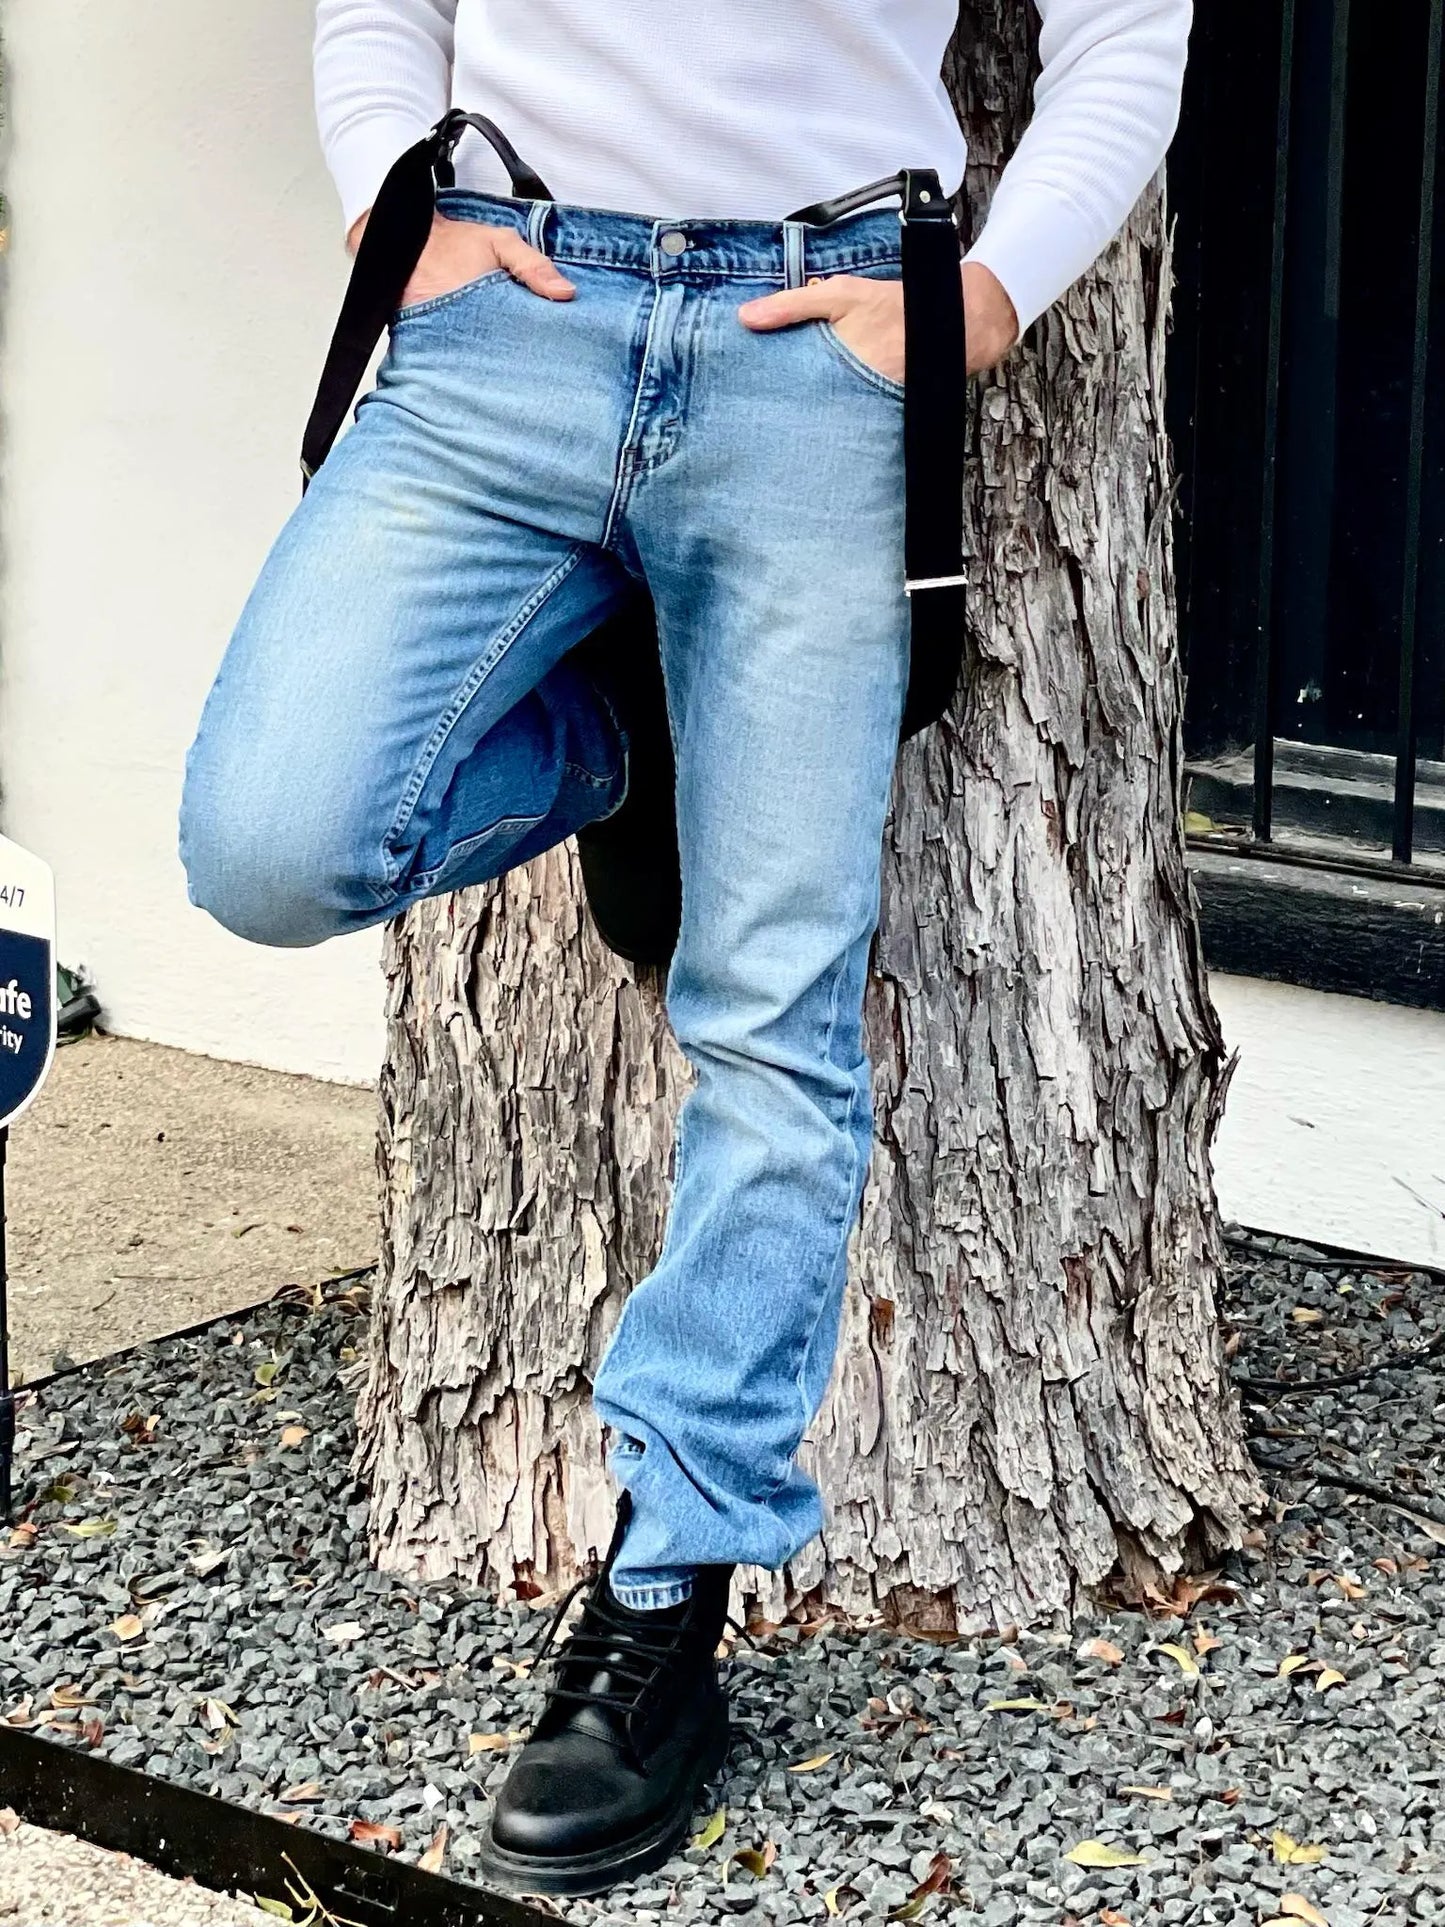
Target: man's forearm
[
  {"x": 1106, "y": 107},
  {"x": 383, "y": 76}
]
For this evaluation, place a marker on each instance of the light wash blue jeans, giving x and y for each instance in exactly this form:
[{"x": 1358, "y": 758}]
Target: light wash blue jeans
[{"x": 396, "y": 716}]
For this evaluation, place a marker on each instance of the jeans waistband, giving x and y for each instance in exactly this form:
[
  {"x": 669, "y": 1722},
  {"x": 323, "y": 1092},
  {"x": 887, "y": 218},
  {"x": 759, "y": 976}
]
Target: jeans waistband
[{"x": 688, "y": 250}]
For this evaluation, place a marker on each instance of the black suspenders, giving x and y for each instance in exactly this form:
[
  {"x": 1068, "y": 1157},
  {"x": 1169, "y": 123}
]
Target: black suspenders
[{"x": 934, "y": 392}]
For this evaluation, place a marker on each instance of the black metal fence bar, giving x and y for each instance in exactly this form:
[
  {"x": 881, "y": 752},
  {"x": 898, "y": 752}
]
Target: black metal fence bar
[
  {"x": 1406, "y": 746},
  {"x": 1307, "y": 408},
  {"x": 1264, "y": 686}
]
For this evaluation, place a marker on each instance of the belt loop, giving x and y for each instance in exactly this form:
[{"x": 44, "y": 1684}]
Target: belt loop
[
  {"x": 537, "y": 216},
  {"x": 795, "y": 271}
]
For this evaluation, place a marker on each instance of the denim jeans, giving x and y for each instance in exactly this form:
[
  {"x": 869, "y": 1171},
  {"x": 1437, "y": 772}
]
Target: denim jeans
[{"x": 396, "y": 716}]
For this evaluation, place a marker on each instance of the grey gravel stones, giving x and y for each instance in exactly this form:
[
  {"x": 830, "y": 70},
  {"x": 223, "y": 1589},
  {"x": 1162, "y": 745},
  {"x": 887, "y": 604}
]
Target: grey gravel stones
[{"x": 194, "y": 1599}]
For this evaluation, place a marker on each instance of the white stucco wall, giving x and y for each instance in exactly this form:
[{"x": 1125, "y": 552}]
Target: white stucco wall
[
  {"x": 174, "y": 269},
  {"x": 1335, "y": 1125}
]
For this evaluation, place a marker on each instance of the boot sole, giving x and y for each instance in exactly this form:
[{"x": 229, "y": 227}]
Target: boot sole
[{"x": 578, "y": 1875}]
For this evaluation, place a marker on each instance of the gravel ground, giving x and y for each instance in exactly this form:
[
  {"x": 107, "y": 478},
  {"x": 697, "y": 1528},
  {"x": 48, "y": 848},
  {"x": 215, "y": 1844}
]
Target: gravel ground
[
  {"x": 194, "y": 1600},
  {"x": 49, "y": 1877}
]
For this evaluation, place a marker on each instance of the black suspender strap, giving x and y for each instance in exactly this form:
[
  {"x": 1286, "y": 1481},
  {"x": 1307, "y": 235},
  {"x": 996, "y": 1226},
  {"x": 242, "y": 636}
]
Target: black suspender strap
[
  {"x": 935, "y": 393},
  {"x": 934, "y": 390},
  {"x": 392, "y": 241}
]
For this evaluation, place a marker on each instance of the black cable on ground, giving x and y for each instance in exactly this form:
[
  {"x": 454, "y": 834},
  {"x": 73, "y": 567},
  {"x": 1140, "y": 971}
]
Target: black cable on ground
[
  {"x": 1345, "y": 1482},
  {"x": 1397, "y": 1361}
]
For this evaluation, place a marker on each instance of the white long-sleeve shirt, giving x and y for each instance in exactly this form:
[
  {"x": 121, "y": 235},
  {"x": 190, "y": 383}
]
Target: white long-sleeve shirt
[{"x": 750, "y": 108}]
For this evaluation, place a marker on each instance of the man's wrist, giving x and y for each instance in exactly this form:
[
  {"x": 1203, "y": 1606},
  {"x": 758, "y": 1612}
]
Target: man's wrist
[{"x": 993, "y": 323}]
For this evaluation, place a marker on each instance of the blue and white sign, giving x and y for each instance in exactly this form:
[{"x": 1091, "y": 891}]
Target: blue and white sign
[{"x": 27, "y": 977}]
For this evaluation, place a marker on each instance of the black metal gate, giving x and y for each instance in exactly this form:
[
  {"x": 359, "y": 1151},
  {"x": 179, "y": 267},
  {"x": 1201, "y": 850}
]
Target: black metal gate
[{"x": 1308, "y": 411}]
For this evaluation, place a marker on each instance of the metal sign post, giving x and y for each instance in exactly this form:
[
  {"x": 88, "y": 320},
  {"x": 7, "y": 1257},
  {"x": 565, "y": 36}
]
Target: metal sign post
[{"x": 27, "y": 1048}]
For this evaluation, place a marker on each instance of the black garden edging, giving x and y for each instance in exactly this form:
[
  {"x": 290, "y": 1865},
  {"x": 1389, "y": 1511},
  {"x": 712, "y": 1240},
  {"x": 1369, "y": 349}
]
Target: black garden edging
[
  {"x": 1376, "y": 931},
  {"x": 231, "y": 1848}
]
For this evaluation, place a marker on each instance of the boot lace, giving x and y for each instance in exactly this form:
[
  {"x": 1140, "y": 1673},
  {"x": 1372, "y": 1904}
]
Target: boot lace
[{"x": 607, "y": 1642}]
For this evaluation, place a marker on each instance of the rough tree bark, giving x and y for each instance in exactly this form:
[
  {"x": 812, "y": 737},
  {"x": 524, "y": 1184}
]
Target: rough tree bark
[{"x": 1031, "y": 1391}]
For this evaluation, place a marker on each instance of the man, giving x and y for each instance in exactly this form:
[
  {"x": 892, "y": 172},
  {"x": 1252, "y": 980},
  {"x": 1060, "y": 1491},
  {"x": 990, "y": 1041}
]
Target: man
[{"x": 642, "y": 383}]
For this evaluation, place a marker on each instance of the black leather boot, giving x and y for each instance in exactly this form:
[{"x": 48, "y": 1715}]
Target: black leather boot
[
  {"x": 630, "y": 863},
  {"x": 634, "y": 1726}
]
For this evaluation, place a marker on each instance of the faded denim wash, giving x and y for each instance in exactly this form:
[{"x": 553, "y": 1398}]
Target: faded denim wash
[{"x": 395, "y": 716}]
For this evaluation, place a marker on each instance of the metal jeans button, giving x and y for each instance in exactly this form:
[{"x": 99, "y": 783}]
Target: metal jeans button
[{"x": 673, "y": 243}]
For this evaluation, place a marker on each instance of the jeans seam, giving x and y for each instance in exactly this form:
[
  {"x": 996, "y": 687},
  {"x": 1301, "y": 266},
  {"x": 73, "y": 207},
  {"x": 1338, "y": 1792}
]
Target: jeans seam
[
  {"x": 619, "y": 487},
  {"x": 845, "y": 1225},
  {"x": 456, "y": 709},
  {"x": 423, "y": 883}
]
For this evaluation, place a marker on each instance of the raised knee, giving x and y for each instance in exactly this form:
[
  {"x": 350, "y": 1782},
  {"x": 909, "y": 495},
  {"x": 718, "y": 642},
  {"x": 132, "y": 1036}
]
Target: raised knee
[{"x": 264, "y": 876}]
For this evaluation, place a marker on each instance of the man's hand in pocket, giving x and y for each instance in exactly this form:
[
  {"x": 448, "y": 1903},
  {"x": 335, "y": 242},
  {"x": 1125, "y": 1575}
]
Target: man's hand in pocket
[
  {"x": 867, "y": 316},
  {"x": 462, "y": 251}
]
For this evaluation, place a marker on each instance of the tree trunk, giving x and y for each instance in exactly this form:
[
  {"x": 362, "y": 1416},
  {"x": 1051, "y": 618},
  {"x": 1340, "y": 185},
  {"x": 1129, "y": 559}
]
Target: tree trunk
[{"x": 1031, "y": 1392}]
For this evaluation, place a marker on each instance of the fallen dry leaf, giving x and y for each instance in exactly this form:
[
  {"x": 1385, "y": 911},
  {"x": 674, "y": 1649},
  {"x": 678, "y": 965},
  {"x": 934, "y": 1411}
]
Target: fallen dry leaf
[
  {"x": 371, "y": 1833},
  {"x": 1111, "y": 1919},
  {"x": 24, "y": 1536},
  {"x": 1182, "y": 1657},
  {"x": 91, "y": 1529},
  {"x": 810, "y": 1765},
  {"x": 1299, "y": 1907},
  {"x": 935, "y": 1881},
  {"x": 1306, "y": 1315},
  {"x": 1101, "y": 1649},
  {"x": 712, "y": 1832},
  {"x": 93, "y": 1732},
  {"x": 830, "y": 1903},
  {"x": 1331, "y": 1676},
  {"x": 303, "y": 1795},
  {"x": 1206, "y": 1643},
  {"x": 1293, "y": 1663},
  {"x": 1148, "y": 1792},
  {"x": 1289, "y": 1852},
  {"x": 1349, "y": 1585},
  {"x": 127, "y": 1628},
  {"x": 294, "y": 1435},
  {"x": 1016, "y": 1706},
  {"x": 757, "y": 1860},
  {"x": 432, "y": 1860},
  {"x": 492, "y": 1742},
  {"x": 1098, "y": 1853}
]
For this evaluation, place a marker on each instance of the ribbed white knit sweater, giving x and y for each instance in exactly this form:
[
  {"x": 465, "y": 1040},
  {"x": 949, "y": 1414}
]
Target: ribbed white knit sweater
[{"x": 749, "y": 108}]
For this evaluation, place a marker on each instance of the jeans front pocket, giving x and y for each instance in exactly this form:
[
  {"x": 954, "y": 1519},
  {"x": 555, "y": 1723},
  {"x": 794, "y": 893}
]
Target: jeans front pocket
[
  {"x": 416, "y": 310},
  {"x": 855, "y": 363}
]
